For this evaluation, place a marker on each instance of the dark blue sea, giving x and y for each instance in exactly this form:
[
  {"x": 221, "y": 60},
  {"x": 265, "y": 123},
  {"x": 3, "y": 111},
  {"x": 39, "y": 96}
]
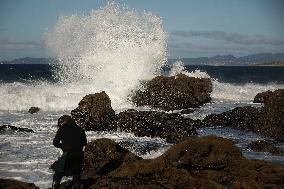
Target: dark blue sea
[
  {"x": 228, "y": 74},
  {"x": 26, "y": 156}
]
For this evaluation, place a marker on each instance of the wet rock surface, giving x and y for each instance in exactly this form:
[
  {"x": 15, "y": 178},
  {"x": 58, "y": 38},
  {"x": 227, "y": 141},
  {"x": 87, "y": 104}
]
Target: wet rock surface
[
  {"x": 172, "y": 127},
  {"x": 95, "y": 112},
  {"x": 103, "y": 155},
  {"x": 15, "y": 184},
  {"x": 174, "y": 93},
  {"x": 271, "y": 119},
  {"x": 239, "y": 118},
  {"x": 206, "y": 162},
  {"x": 262, "y": 97},
  {"x": 268, "y": 121},
  {"x": 265, "y": 146},
  {"x": 14, "y": 128}
]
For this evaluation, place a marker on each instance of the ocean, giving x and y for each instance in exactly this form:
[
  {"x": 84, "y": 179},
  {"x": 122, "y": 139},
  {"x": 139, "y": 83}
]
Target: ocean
[
  {"x": 113, "y": 49},
  {"x": 27, "y": 156}
]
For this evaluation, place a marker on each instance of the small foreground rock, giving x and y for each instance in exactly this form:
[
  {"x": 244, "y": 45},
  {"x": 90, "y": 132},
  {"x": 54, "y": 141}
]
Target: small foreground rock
[
  {"x": 14, "y": 128},
  {"x": 33, "y": 110},
  {"x": 15, "y": 184}
]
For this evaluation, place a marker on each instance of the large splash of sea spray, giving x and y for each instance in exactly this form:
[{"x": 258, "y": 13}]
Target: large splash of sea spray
[{"x": 112, "y": 49}]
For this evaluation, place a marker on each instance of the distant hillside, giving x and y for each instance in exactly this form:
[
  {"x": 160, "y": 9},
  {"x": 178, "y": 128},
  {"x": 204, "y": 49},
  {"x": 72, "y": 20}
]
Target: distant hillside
[
  {"x": 276, "y": 63},
  {"x": 230, "y": 60},
  {"x": 219, "y": 60},
  {"x": 29, "y": 60}
]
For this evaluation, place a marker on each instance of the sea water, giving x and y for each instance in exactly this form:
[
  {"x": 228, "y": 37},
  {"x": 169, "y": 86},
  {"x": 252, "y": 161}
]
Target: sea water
[{"x": 112, "y": 49}]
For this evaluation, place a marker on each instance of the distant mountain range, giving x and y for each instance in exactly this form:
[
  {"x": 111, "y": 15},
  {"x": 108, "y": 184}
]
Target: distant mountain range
[
  {"x": 29, "y": 60},
  {"x": 267, "y": 59},
  {"x": 230, "y": 60}
]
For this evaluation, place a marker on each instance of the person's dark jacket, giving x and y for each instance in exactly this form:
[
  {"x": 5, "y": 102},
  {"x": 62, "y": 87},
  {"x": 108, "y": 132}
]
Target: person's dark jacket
[{"x": 70, "y": 138}]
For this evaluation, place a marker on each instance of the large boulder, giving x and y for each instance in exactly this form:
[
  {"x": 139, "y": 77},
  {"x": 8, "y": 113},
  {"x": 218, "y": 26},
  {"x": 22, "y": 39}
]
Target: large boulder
[
  {"x": 13, "y": 184},
  {"x": 95, "y": 112},
  {"x": 172, "y": 127},
  {"x": 206, "y": 162},
  {"x": 173, "y": 93},
  {"x": 271, "y": 119}
]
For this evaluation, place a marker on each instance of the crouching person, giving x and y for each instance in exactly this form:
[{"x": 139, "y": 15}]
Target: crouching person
[{"x": 71, "y": 139}]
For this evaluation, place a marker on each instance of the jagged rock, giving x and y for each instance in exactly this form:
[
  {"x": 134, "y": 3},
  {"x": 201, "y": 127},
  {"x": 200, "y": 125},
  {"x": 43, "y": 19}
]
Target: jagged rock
[
  {"x": 206, "y": 162},
  {"x": 262, "y": 97},
  {"x": 15, "y": 184},
  {"x": 264, "y": 146},
  {"x": 172, "y": 127},
  {"x": 95, "y": 112},
  {"x": 173, "y": 93},
  {"x": 33, "y": 110},
  {"x": 14, "y": 128}
]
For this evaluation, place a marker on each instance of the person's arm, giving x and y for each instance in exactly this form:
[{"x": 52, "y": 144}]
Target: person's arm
[
  {"x": 57, "y": 138},
  {"x": 84, "y": 138}
]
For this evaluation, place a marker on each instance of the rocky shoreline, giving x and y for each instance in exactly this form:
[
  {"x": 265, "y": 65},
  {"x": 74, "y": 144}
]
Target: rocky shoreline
[{"x": 192, "y": 162}]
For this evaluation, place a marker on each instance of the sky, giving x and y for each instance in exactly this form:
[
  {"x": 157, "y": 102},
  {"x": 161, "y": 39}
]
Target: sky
[{"x": 194, "y": 28}]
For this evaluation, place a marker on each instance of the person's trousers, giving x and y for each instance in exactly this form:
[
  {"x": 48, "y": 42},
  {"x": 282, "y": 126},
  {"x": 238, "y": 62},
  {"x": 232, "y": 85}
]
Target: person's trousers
[{"x": 57, "y": 177}]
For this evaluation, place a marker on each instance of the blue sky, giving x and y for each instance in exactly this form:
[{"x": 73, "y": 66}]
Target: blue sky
[{"x": 194, "y": 27}]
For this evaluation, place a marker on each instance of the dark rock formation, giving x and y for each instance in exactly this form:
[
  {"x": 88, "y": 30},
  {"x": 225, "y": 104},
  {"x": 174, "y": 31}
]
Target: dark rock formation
[
  {"x": 207, "y": 162},
  {"x": 269, "y": 121},
  {"x": 15, "y": 184},
  {"x": 33, "y": 110},
  {"x": 172, "y": 127},
  {"x": 103, "y": 155},
  {"x": 173, "y": 93},
  {"x": 239, "y": 118},
  {"x": 95, "y": 112},
  {"x": 262, "y": 97},
  {"x": 264, "y": 146},
  {"x": 14, "y": 128}
]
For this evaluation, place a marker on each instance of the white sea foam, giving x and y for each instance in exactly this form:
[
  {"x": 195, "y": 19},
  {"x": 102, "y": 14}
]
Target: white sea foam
[
  {"x": 240, "y": 93},
  {"x": 179, "y": 67},
  {"x": 112, "y": 49}
]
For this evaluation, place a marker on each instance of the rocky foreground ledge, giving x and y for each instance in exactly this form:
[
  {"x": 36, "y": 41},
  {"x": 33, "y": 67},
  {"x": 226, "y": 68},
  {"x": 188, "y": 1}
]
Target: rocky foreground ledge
[
  {"x": 200, "y": 162},
  {"x": 15, "y": 184},
  {"x": 205, "y": 162}
]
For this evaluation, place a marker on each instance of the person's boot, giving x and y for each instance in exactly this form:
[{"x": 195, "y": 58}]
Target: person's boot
[
  {"x": 76, "y": 181},
  {"x": 55, "y": 185}
]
